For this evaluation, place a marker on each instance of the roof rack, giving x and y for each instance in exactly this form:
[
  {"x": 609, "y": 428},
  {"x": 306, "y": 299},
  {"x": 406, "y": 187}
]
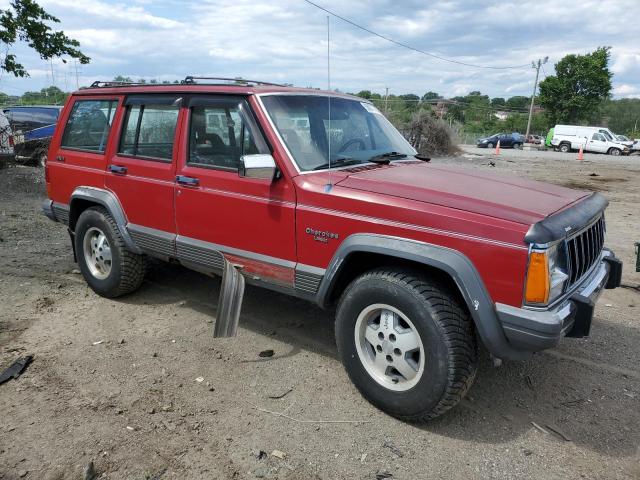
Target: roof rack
[
  {"x": 188, "y": 80},
  {"x": 240, "y": 81},
  {"x": 99, "y": 83}
]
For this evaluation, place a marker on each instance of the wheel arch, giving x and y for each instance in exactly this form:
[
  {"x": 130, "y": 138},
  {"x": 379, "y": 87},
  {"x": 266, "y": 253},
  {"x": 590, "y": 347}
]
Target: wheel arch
[
  {"x": 358, "y": 253},
  {"x": 87, "y": 197}
]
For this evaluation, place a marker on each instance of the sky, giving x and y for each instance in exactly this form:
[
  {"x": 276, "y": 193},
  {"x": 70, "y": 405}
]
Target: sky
[{"x": 285, "y": 41}]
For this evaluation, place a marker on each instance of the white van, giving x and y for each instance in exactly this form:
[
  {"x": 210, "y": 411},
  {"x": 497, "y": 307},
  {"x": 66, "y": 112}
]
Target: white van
[{"x": 592, "y": 139}]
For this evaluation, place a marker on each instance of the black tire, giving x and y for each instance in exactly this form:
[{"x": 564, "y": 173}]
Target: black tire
[
  {"x": 490, "y": 145},
  {"x": 127, "y": 269},
  {"x": 445, "y": 330},
  {"x": 517, "y": 146},
  {"x": 615, "y": 152},
  {"x": 565, "y": 148}
]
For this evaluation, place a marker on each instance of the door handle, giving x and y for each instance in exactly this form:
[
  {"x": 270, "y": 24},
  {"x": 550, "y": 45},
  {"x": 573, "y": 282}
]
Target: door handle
[
  {"x": 190, "y": 181},
  {"x": 60, "y": 158},
  {"x": 118, "y": 169}
]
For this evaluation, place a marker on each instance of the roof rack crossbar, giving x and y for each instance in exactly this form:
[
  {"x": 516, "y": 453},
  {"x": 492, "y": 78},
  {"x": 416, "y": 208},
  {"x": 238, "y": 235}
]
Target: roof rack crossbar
[
  {"x": 100, "y": 83},
  {"x": 241, "y": 81}
]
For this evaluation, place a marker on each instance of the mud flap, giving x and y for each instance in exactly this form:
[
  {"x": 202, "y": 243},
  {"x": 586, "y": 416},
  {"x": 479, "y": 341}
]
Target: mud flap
[{"x": 230, "y": 302}]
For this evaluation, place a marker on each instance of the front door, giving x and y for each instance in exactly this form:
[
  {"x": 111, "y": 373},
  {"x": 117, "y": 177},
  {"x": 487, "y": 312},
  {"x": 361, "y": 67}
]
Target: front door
[
  {"x": 251, "y": 221},
  {"x": 597, "y": 143},
  {"x": 142, "y": 171}
]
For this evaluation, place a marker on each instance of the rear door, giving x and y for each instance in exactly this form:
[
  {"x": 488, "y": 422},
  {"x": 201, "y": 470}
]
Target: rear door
[
  {"x": 251, "y": 221},
  {"x": 141, "y": 170}
]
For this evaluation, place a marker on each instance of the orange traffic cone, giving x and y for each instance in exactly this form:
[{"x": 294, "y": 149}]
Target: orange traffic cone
[
  {"x": 581, "y": 153},
  {"x": 498, "y": 148}
]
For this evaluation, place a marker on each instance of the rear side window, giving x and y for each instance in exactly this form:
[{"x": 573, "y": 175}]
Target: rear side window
[
  {"x": 149, "y": 131},
  {"x": 89, "y": 124}
]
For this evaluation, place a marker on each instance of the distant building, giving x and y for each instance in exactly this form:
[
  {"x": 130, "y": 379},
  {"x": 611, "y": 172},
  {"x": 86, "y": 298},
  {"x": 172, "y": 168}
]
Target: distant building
[{"x": 501, "y": 115}]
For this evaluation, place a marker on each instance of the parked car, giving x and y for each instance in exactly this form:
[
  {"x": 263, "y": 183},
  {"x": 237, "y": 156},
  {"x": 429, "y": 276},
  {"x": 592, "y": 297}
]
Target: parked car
[
  {"x": 592, "y": 139},
  {"x": 507, "y": 140},
  {"x": 424, "y": 263},
  {"x": 32, "y": 128},
  {"x": 6, "y": 142}
]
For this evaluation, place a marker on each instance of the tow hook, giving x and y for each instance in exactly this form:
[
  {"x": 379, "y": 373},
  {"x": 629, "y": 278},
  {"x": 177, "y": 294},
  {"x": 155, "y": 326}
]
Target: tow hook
[{"x": 230, "y": 301}]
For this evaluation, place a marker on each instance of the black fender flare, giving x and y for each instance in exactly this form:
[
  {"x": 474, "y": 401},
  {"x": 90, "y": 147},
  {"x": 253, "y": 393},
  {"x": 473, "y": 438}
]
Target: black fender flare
[
  {"x": 452, "y": 262},
  {"x": 109, "y": 201}
]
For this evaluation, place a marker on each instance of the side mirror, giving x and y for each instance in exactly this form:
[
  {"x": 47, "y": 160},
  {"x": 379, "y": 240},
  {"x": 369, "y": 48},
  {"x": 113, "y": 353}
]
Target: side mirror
[{"x": 261, "y": 166}]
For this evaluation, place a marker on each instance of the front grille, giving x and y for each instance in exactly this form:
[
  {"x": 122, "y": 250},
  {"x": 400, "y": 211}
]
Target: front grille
[{"x": 584, "y": 250}]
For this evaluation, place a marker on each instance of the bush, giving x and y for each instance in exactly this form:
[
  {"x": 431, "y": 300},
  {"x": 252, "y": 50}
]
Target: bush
[{"x": 429, "y": 135}]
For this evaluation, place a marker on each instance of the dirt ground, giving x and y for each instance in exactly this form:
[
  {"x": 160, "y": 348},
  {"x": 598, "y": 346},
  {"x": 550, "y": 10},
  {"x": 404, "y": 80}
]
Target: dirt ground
[{"x": 117, "y": 382}]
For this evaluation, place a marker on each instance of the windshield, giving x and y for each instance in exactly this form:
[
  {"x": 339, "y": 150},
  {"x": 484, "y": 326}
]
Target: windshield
[
  {"x": 356, "y": 132},
  {"x": 607, "y": 134}
]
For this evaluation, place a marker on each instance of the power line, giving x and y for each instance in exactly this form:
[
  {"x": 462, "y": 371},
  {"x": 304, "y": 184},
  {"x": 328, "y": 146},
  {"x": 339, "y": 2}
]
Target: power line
[
  {"x": 453, "y": 102},
  {"x": 404, "y": 45}
]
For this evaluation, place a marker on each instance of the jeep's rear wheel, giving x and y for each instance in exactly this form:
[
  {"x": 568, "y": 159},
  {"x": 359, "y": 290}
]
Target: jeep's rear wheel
[
  {"x": 406, "y": 343},
  {"x": 107, "y": 266}
]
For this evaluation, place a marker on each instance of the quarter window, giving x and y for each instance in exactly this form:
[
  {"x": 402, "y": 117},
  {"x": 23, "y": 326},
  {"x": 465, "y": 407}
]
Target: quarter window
[
  {"x": 218, "y": 136},
  {"x": 149, "y": 131},
  {"x": 89, "y": 125}
]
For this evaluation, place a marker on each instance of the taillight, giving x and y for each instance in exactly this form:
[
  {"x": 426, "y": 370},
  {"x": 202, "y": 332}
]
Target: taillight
[{"x": 11, "y": 140}]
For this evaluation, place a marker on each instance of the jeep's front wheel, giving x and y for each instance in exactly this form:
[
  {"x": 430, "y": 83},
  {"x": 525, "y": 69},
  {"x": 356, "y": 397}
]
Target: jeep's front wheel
[
  {"x": 107, "y": 266},
  {"x": 406, "y": 343}
]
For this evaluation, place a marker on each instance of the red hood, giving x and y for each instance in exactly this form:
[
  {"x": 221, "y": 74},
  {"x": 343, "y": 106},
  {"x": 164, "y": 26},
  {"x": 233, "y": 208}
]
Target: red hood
[{"x": 486, "y": 193}]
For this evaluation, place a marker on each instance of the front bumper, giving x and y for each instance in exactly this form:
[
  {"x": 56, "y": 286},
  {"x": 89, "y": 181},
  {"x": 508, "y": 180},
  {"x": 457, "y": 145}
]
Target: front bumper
[{"x": 535, "y": 330}]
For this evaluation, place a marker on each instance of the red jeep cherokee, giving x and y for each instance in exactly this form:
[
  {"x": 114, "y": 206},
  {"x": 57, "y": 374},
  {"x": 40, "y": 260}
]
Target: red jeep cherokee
[{"x": 317, "y": 195}]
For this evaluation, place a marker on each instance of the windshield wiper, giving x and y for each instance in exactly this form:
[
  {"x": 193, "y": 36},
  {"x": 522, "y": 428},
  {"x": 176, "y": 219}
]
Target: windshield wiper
[
  {"x": 386, "y": 157},
  {"x": 339, "y": 162}
]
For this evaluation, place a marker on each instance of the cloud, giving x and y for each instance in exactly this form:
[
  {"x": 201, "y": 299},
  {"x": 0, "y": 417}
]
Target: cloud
[{"x": 286, "y": 41}]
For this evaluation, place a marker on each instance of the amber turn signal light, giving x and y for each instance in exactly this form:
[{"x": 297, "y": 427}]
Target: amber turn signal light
[{"x": 537, "y": 287}]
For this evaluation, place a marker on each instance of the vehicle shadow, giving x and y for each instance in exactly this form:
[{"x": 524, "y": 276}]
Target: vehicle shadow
[{"x": 571, "y": 401}]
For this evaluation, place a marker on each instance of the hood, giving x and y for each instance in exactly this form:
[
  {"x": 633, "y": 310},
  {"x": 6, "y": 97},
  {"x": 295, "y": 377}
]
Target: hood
[{"x": 509, "y": 198}]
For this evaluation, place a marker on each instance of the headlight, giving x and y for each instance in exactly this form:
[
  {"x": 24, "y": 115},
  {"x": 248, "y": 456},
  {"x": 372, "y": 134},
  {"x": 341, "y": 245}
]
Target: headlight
[{"x": 546, "y": 276}]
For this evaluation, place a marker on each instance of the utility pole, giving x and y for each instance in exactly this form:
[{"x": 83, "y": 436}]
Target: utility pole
[
  {"x": 533, "y": 95},
  {"x": 53, "y": 80},
  {"x": 75, "y": 65},
  {"x": 386, "y": 100}
]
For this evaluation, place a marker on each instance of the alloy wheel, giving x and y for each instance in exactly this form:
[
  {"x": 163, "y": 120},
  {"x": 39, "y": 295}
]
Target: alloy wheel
[
  {"x": 97, "y": 253},
  {"x": 389, "y": 347}
]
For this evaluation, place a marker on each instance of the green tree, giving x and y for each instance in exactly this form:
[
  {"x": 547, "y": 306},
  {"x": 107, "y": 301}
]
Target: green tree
[
  {"x": 25, "y": 21},
  {"x": 498, "y": 102},
  {"x": 120, "y": 78},
  {"x": 579, "y": 87},
  {"x": 518, "y": 102},
  {"x": 621, "y": 116},
  {"x": 430, "y": 96},
  {"x": 364, "y": 94},
  {"x": 47, "y": 96}
]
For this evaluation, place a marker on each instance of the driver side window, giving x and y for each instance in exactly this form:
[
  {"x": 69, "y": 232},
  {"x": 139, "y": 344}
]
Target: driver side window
[{"x": 218, "y": 137}]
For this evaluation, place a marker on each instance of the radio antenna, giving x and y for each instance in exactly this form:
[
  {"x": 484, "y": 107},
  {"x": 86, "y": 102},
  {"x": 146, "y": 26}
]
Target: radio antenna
[{"x": 329, "y": 186}]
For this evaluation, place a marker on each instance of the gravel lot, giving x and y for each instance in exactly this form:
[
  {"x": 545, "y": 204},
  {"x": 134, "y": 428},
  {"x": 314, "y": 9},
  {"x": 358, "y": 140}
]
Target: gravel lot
[{"x": 116, "y": 382}]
